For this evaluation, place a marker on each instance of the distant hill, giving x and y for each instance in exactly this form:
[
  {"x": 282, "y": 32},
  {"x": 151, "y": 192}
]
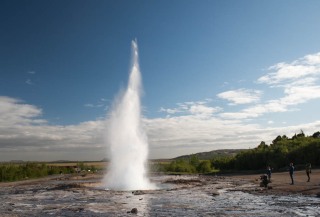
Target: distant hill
[
  {"x": 212, "y": 154},
  {"x": 17, "y": 161}
]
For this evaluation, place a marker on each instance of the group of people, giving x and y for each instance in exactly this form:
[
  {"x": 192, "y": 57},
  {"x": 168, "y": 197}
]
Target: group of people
[
  {"x": 291, "y": 170},
  {"x": 267, "y": 178}
]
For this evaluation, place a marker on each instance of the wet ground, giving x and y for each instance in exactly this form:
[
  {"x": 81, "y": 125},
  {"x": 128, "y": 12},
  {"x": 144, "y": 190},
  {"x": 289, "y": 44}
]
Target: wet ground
[{"x": 178, "y": 196}]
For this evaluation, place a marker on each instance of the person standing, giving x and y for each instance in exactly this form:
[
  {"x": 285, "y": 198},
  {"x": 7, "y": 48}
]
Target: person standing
[
  {"x": 291, "y": 169},
  {"x": 308, "y": 170},
  {"x": 269, "y": 173}
]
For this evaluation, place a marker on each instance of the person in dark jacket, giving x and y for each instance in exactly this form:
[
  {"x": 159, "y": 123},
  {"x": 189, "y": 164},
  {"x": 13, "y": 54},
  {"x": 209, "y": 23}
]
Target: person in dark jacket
[{"x": 291, "y": 169}]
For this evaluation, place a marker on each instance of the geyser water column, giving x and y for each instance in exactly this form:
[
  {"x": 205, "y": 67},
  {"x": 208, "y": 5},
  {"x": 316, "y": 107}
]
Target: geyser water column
[{"x": 126, "y": 139}]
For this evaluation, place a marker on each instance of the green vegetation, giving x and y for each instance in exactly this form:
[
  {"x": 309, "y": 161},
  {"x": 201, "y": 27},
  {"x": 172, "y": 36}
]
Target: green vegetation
[
  {"x": 299, "y": 149},
  {"x": 190, "y": 165},
  {"x": 13, "y": 172},
  {"x": 212, "y": 154}
]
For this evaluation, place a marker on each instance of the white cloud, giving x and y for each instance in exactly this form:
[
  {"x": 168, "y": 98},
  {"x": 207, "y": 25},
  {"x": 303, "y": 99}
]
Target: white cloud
[
  {"x": 89, "y": 105},
  {"x": 170, "y": 111},
  {"x": 174, "y": 136},
  {"x": 13, "y": 111},
  {"x": 300, "y": 94},
  {"x": 199, "y": 108},
  {"x": 203, "y": 110},
  {"x": 307, "y": 66},
  {"x": 241, "y": 96},
  {"x": 191, "y": 133},
  {"x": 99, "y": 104},
  {"x": 24, "y": 135},
  {"x": 299, "y": 81},
  {"x": 293, "y": 97}
]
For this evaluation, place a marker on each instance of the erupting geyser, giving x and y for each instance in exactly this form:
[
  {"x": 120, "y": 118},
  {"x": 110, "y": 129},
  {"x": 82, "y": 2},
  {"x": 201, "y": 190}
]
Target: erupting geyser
[{"x": 125, "y": 137}]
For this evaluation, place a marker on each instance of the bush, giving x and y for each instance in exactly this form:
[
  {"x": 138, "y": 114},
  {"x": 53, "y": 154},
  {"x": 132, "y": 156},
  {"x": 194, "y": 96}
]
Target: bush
[
  {"x": 204, "y": 167},
  {"x": 14, "y": 172}
]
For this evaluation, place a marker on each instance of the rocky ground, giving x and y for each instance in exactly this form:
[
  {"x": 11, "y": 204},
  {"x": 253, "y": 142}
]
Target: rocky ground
[
  {"x": 280, "y": 183},
  {"x": 84, "y": 195}
]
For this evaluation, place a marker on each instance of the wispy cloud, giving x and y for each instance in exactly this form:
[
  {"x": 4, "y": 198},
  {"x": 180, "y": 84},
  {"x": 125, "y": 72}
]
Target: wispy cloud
[
  {"x": 198, "y": 108},
  {"x": 307, "y": 66},
  {"x": 14, "y": 111},
  {"x": 298, "y": 79},
  {"x": 170, "y": 111},
  {"x": 241, "y": 96},
  {"x": 28, "y": 81},
  {"x": 89, "y": 105},
  {"x": 101, "y": 103}
]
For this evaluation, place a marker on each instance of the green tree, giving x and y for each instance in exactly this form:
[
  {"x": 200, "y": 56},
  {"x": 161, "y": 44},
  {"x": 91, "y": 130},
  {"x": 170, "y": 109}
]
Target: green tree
[
  {"x": 204, "y": 167},
  {"x": 194, "y": 160},
  {"x": 316, "y": 135}
]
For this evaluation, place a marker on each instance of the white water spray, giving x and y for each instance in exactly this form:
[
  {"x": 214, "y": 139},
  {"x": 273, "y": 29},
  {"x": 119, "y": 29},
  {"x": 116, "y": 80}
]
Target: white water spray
[{"x": 126, "y": 138}]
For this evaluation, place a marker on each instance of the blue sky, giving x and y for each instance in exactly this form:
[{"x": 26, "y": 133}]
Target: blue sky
[{"x": 216, "y": 74}]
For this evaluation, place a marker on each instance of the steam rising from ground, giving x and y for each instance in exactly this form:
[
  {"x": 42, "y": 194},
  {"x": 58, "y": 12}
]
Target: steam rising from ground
[{"x": 125, "y": 137}]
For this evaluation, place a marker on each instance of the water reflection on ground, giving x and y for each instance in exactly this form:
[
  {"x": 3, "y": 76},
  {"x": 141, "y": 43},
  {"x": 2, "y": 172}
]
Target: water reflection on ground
[{"x": 179, "y": 196}]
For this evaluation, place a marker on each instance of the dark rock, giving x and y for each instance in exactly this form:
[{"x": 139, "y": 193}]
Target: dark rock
[
  {"x": 66, "y": 186},
  {"x": 76, "y": 209},
  {"x": 138, "y": 192},
  {"x": 134, "y": 211},
  {"x": 18, "y": 192},
  {"x": 215, "y": 193}
]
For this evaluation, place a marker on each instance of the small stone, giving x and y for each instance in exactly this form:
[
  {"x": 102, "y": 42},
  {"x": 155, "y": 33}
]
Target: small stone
[
  {"x": 215, "y": 193},
  {"x": 138, "y": 192},
  {"x": 134, "y": 211}
]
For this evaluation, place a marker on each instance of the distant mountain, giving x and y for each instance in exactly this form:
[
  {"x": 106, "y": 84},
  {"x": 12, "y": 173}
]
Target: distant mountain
[
  {"x": 16, "y": 161},
  {"x": 61, "y": 161},
  {"x": 212, "y": 154}
]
